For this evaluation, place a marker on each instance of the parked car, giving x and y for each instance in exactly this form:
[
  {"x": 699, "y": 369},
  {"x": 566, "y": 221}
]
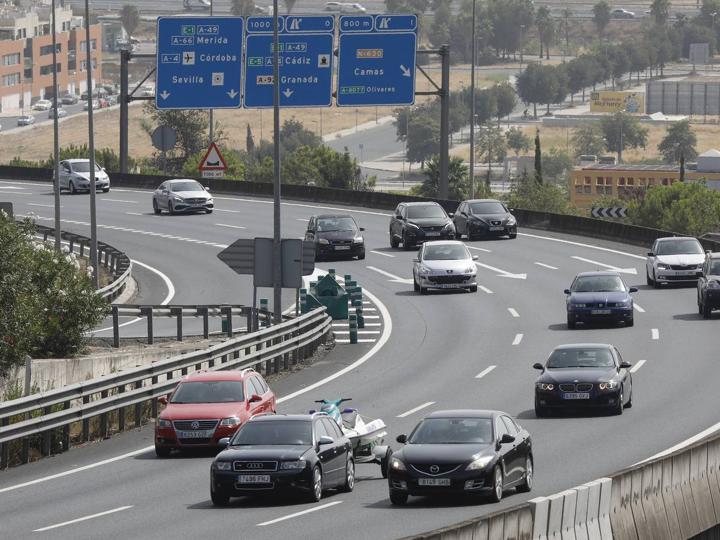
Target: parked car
[
  {"x": 444, "y": 264},
  {"x": 61, "y": 113},
  {"x": 306, "y": 453},
  {"x": 345, "y": 7},
  {"x": 674, "y": 259},
  {"x": 416, "y": 222},
  {"x": 202, "y": 5},
  {"x": 482, "y": 218},
  {"x": 111, "y": 100},
  {"x": 208, "y": 406},
  {"x": 619, "y": 13},
  {"x": 466, "y": 452},
  {"x": 75, "y": 176},
  {"x": 182, "y": 195},
  {"x": 95, "y": 105},
  {"x": 599, "y": 296},
  {"x": 708, "y": 286},
  {"x": 69, "y": 99},
  {"x": 335, "y": 235},
  {"x": 42, "y": 105},
  {"x": 26, "y": 120},
  {"x": 583, "y": 375}
]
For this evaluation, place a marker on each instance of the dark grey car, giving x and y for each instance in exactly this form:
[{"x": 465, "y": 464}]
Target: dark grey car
[{"x": 482, "y": 218}]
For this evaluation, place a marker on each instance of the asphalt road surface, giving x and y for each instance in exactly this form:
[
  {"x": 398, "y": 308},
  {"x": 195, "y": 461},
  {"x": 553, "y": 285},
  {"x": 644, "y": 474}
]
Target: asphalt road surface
[{"x": 437, "y": 346}]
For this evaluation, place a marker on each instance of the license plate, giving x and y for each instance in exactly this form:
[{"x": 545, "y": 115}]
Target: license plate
[
  {"x": 601, "y": 312},
  {"x": 254, "y": 479},
  {"x": 497, "y": 228},
  {"x": 576, "y": 395},
  {"x": 195, "y": 434},
  {"x": 447, "y": 286},
  {"x": 432, "y": 233},
  {"x": 341, "y": 248},
  {"x": 435, "y": 482}
]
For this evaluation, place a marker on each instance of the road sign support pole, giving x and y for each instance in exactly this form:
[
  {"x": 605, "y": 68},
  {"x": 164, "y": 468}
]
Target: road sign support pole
[
  {"x": 444, "y": 122},
  {"x": 56, "y": 132},
  {"x": 472, "y": 106},
  {"x": 91, "y": 150},
  {"x": 124, "y": 106},
  {"x": 277, "y": 254}
]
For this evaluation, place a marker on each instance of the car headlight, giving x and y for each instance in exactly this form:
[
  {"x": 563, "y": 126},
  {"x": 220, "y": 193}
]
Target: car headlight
[
  {"x": 712, "y": 284},
  {"x": 292, "y": 465},
  {"x": 662, "y": 266},
  {"x": 323, "y": 241},
  {"x": 358, "y": 240},
  {"x": 231, "y": 421},
  {"x": 626, "y": 303},
  {"x": 223, "y": 465},
  {"x": 610, "y": 385},
  {"x": 397, "y": 465},
  {"x": 511, "y": 221},
  {"x": 178, "y": 199},
  {"x": 479, "y": 463},
  {"x": 469, "y": 270},
  {"x": 162, "y": 423},
  {"x": 424, "y": 270},
  {"x": 409, "y": 224},
  {"x": 209, "y": 201},
  {"x": 545, "y": 386},
  {"x": 449, "y": 227}
]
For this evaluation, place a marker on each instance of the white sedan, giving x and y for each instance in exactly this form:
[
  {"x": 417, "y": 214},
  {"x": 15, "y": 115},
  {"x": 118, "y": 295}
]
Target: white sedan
[
  {"x": 182, "y": 195},
  {"x": 444, "y": 264},
  {"x": 674, "y": 259}
]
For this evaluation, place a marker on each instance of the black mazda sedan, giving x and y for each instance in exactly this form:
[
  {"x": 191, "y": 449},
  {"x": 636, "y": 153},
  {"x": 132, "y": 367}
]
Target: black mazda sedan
[
  {"x": 583, "y": 375},
  {"x": 462, "y": 452},
  {"x": 336, "y": 236},
  {"x": 307, "y": 453}
]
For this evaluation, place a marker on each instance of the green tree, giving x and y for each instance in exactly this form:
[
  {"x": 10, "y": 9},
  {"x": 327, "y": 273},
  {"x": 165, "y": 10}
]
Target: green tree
[
  {"x": 457, "y": 179},
  {"x": 622, "y": 131},
  {"x": 486, "y": 105},
  {"x": 587, "y": 139},
  {"x": 660, "y": 11},
  {"x": 546, "y": 29},
  {"x": 423, "y": 138},
  {"x": 529, "y": 86},
  {"x": 249, "y": 141},
  {"x": 293, "y": 135},
  {"x": 579, "y": 76},
  {"x": 491, "y": 146},
  {"x": 680, "y": 140},
  {"x": 601, "y": 16},
  {"x": 440, "y": 27},
  {"x": 529, "y": 194},
  {"x": 538, "y": 159},
  {"x": 191, "y": 128},
  {"x": 565, "y": 27},
  {"x": 505, "y": 100},
  {"x": 242, "y": 8},
  {"x": 555, "y": 164},
  {"x": 130, "y": 18},
  {"x": 517, "y": 141}
]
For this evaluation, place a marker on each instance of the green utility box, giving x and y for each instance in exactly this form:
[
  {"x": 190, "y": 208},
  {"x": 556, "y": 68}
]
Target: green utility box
[{"x": 331, "y": 295}]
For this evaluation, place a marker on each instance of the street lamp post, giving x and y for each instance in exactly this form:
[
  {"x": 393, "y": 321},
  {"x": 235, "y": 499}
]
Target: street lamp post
[
  {"x": 91, "y": 148},
  {"x": 472, "y": 107},
  {"x": 56, "y": 131}
]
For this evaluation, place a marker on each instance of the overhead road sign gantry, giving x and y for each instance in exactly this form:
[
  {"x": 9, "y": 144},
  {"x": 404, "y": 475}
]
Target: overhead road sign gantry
[
  {"x": 199, "y": 62},
  {"x": 376, "y": 60},
  {"x": 306, "y": 61}
]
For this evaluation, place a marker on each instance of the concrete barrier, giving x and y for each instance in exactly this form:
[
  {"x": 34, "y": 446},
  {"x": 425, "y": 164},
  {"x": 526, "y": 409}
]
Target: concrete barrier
[
  {"x": 581, "y": 513},
  {"x": 540, "y": 509},
  {"x": 671, "y": 511}
]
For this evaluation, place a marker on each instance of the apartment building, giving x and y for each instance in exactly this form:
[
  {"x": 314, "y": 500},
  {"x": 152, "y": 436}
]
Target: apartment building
[{"x": 26, "y": 67}]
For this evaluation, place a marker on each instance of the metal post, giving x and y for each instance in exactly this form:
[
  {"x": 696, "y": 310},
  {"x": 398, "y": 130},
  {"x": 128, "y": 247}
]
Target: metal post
[
  {"x": 210, "y": 112},
  {"x": 444, "y": 122},
  {"x": 277, "y": 268},
  {"x": 124, "y": 112},
  {"x": 116, "y": 327},
  {"x": 91, "y": 148},
  {"x": 56, "y": 132},
  {"x": 472, "y": 107}
]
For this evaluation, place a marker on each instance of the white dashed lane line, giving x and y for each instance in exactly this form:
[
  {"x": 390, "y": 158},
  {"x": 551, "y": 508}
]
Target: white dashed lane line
[
  {"x": 229, "y": 226},
  {"x": 655, "y": 333},
  {"x": 485, "y": 372},
  {"x": 637, "y": 366},
  {"x": 381, "y": 253},
  {"x": 638, "y": 308},
  {"x": 119, "y": 200},
  {"x": 485, "y": 289},
  {"x": 518, "y": 339},
  {"x": 480, "y": 249},
  {"x": 632, "y": 271},
  {"x": 84, "y": 518},
  {"x": 513, "y": 312},
  {"x": 298, "y": 514},
  {"x": 416, "y": 409},
  {"x": 546, "y": 266}
]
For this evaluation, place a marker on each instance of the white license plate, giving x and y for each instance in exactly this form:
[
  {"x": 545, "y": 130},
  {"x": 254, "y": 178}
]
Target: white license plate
[
  {"x": 342, "y": 248},
  {"x": 601, "y": 312},
  {"x": 497, "y": 228},
  {"x": 435, "y": 482},
  {"x": 447, "y": 286},
  {"x": 576, "y": 395},
  {"x": 195, "y": 434},
  {"x": 432, "y": 233},
  {"x": 254, "y": 479}
]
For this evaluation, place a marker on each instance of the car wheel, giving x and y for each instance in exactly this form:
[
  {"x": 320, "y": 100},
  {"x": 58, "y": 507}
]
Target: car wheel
[
  {"x": 648, "y": 279},
  {"x": 527, "y": 483},
  {"x": 208, "y": 210},
  {"x": 361, "y": 257},
  {"x": 416, "y": 287},
  {"x": 72, "y": 189},
  {"x": 394, "y": 242},
  {"x": 656, "y": 283},
  {"x": 706, "y": 310},
  {"x": 497, "y": 492},
  {"x": 385, "y": 463},
  {"x": 423, "y": 290},
  {"x": 630, "y": 321},
  {"x": 700, "y": 306},
  {"x": 540, "y": 411},
  {"x": 629, "y": 404},
  {"x": 171, "y": 209},
  {"x": 473, "y": 288},
  {"x": 398, "y": 498},
  {"x": 513, "y": 236},
  {"x": 156, "y": 208},
  {"x": 219, "y": 499},
  {"x": 106, "y": 190},
  {"x": 317, "y": 487},
  {"x": 618, "y": 410},
  {"x": 162, "y": 451},
  {"x": 570, "y": 323},
  {"x": 349, "y": 484},
  {"x": 407, "y": 246}
]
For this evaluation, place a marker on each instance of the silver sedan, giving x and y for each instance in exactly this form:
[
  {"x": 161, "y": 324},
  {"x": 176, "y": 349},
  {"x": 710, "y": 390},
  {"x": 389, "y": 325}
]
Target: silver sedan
[
  {"x": 444, "y": 264},
  {"x": 182, "y": 196}
]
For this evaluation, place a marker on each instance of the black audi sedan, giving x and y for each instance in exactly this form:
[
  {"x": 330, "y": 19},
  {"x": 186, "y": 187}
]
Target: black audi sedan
[
  {"x": 413, "y": 223},
  {"x": 466, "y": 452},
  {"x": 581, "y": 376},
  {"x": 481, "y": 218},
  {"x": 336, "y": 236},
  {"x": 307, "y": 453},
  {"x": 599, "y": 297}
]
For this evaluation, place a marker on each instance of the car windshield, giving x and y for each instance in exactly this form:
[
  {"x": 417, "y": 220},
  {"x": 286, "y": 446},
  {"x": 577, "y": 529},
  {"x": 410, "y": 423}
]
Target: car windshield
[
  {"x": 487, "y": 208},
  {"x": 453, "y": 431},
  {"x": 429, "y": 211},
  {"x": 185, "y": 186},
  {"x": 84, "y": 166},
  {"x": 445, "y": 252},
  {"x": 598, "y": 284},
  {"x": 580, "y": 358},
  {"x": 688, "y": 246},
  {"x": 283, "y": 432},
  {"x": 336, "y": 224},
  {"x": 208, "y": 392},
  {"x": 715, "y": 267}
]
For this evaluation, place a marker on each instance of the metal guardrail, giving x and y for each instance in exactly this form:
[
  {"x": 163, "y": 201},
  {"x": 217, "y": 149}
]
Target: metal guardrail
[{"x": 277, "y": 347}]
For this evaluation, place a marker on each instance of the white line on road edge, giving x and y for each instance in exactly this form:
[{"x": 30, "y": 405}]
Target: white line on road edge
[
  {"x": 518, "y": 339},
  {"x": 43, "y": 205},
  {"x": 416, "y": 409},
  {"x": 546, "y": 266},
  {"x": 297, "y": 514},
  {"x": 344, "y": 341},
  {"x": 229, "y": 226},
  {"x": 359, "y": 332},
  {"x": 655, "y": 333},
  {"x": 637, "y": 366},
  {"x": 228, "y": 211},
  {"x": 485, "y": 372},
  {"x": 501, "y": 273},
  {"x": 393, "y": 277},
  {"x": 608, "y": 250},
  {"x": 513, "y": 312},
  {"x": 638, "y": 308},
  {"x": 687, "y": 442},
  {"x": 479, "y": 249},
  {"x": 632, "y": 271},
  {"x": 118, "y": 200},
  {"x": 78, "y": 520},
  {"x": 303, "y": 220},
  {"x": 485, "y": 289},
  {"x": 381, "y": 253},
  {"x": 134, "y": 214}
]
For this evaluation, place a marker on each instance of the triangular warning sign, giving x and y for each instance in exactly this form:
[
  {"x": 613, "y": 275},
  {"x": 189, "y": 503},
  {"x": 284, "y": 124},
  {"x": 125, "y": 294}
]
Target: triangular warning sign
[{"x": 213, "y": 160}]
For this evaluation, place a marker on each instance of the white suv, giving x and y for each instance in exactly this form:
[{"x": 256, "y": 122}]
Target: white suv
[{"x": 674, "y": 259}]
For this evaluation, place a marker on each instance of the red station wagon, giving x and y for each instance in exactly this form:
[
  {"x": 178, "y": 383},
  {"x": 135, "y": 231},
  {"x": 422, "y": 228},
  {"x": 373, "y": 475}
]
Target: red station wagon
[{"x": 209, "y": 405}]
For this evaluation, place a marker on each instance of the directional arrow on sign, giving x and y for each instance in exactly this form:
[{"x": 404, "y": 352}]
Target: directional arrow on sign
[
  {"x": 406, "y": 71},
  {"x": 287, "y": 93},
  {"x": 232, "y": 93},
  {"x": 632, "y": 271},
  {"x": 165, "y": 94},
  {"x": 502, "y": 273}
]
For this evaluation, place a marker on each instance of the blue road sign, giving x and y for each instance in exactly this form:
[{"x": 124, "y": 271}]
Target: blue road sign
[
  {"x": 306, "y": 61},
  {"x": 376, "y": 60},
  {"x": 199, "y": 62}
]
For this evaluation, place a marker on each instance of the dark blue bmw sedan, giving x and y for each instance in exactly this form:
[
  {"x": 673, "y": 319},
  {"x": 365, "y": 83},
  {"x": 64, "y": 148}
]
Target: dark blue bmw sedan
[{"x": 599, "y": 296}]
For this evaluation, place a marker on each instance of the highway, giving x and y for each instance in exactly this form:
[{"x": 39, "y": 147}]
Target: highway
[{"x": 443, "y": 351}]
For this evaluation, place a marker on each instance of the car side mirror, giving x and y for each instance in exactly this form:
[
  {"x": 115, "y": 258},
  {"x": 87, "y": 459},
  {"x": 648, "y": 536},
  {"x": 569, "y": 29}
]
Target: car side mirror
[
  {"x": 163, "y": 400},
  {"x": 567, "y": 291},
  {"x": 625, "y": 365},
  {"x": 416, "y": 260},
  {"x": 511, "y": 209},
  {"x": 451, "y": 214},
  {"x": 633, "y": 289},
  {"x": 254, "y": 398},
  {"x": 325, "y": 440},
  {"x": 475, "y": 257},
  {"x": 398, "y": 216},
  {"x": 225, "y": 441},
  {"x": 650, "y": 254},
  {"x": 538, "y": 365},
  {"x": 207, "y": 188},
  {"x": 507, "y": 439},
  {"x": 402, "y": 439},
  {"x": 362, "y": 229}
]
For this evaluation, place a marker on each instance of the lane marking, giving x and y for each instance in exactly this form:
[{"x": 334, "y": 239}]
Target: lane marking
[
  {"x": 416, "y": 409},
  {"x": 10, "y": 187},
  {"x": 345, "y": 341},
  {"x": 485, "y": 372},
  {"x": 655, "y": 333},
  {"x": 119, "y": 200},
  {"x": 513, "y": 312},
  {"x": 85, "y": 518},
  {"x": 546, "y": 266},
  {"x": 381, "y": 253},
  {"x": 580, "y": 244},
  {"x": 301, "y": 513},
  {"x": 479, "y": 249},
  {"x": 229, "y": 226},
  {"x": 345, "y": 325},
  {"x": 518, "y": 339},
  {"x": 485, "y": 289},
  {"x": 228, "y": 211},
  {"x": 638, "y": 308},
  {"x": 359, "y": 332},
  {"x": 687, "y": 442},
  {"x": 134, "y": 214},
  {"x": 637, "y": 366},
  {"x": 302, "y": 219},
  {"x": 43, "y": 205},
  {"x": 632, "y": 271},
  {"x": 371, "y": 316},
  {"x": 393, "y": 277},
  {"x": 501, "y": 273}
]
